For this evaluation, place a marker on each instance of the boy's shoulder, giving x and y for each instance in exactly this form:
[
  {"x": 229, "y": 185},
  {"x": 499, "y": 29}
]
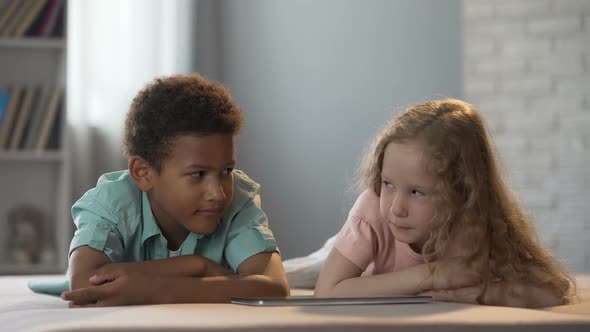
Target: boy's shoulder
[
  {"x": 245, "y": 184},
  {"x": 114, "y": 191},
  {"x": 245, "y": 189}
]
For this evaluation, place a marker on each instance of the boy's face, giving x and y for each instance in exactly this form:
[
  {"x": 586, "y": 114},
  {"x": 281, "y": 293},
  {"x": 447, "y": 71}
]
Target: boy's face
[{"x": 195, "y": 185}]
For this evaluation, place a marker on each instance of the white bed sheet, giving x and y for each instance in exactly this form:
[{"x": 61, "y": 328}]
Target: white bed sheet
[{"x": 22, "y": 310}]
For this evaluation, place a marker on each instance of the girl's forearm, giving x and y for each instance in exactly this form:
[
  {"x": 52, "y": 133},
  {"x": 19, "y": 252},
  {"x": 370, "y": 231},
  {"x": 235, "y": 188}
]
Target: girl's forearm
[{"x": 410, "y": 281}]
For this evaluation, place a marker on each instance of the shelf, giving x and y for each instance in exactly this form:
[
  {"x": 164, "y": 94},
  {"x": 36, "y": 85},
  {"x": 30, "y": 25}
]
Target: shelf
[
  {"x": 14, "y": 269},
  {"x": 56, "y": 155},
  {"x": 42, "y": 43}
]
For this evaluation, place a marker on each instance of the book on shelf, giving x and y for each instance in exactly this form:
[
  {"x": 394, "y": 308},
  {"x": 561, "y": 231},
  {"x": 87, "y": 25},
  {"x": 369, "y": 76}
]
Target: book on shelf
[
  {"x": 4, "y": 95},
  {"x": 18, "y": 15},
  {"x": 49, "y": 119},
  {"x": 30, "y": 100},
  {"x": 49, "y": 19},
  {"x": 7, "y": 10},
  {"x": 10, "y": 115},
  {"x": 32, "y": 18},
  {"x": 32, "y": 119},
  {"x": 27, "y": 21},
  {"x": 36, "y": 118}
]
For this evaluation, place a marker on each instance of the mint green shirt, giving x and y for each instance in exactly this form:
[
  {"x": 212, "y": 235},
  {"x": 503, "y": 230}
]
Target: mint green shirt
[{"x": 115, "y": 217}]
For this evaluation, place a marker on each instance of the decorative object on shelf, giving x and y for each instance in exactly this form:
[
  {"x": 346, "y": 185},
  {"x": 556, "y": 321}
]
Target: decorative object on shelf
[{"x": 26, "y": 242}]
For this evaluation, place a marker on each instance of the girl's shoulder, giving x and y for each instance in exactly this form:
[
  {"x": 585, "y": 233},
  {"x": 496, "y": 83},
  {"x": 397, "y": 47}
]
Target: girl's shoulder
[{"x": 366, "y": 207}]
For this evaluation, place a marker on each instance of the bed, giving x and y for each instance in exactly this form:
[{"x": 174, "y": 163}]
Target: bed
[{"x": 22, "y": 310}]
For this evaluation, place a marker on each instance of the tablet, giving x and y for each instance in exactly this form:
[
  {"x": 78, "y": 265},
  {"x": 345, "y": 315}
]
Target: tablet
[{"x": 329, "y": 301}]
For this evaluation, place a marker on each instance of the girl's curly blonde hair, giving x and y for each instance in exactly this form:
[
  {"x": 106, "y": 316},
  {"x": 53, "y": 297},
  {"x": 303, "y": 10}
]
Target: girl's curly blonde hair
[{"x": 478, "y": 218}]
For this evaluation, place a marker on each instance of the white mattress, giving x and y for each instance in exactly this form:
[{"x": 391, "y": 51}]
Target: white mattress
[{"x": 22, "y": 310}]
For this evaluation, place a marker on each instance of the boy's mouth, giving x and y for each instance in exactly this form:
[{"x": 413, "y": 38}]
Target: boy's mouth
[{"x": 210, "y": 211}]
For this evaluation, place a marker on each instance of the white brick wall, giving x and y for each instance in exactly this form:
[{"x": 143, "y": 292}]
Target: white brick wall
[{"x": 527, "y": 68}]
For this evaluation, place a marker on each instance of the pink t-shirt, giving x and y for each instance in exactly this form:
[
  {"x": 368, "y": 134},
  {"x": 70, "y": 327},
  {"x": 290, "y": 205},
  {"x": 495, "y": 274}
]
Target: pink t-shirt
[{"x": 366, "y": 240}]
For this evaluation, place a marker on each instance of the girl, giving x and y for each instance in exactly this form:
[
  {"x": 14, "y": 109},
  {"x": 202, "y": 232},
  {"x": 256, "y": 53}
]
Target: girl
[{"x": 436, "y": 218}]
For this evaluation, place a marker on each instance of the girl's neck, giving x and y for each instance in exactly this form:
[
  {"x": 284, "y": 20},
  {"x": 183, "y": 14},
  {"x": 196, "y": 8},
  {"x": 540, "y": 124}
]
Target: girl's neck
[{"x": 416, "y": 247}]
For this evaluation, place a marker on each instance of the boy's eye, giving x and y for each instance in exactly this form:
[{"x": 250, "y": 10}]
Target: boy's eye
[
  {"x": 198, "y": 175},
  {"x": 418, "y": 193},
  {"x": 387, "y": 184},
  {"x": 228, "y": 171}
]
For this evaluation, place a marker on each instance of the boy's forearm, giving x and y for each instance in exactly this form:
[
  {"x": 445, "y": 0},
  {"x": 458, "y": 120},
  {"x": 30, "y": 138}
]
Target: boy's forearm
[
  {"x": 83, "y": 264},
  {"x": 410, "y": 281},
  {"x": 181, "y": 266},
  {"x": 220, "y": 289}
]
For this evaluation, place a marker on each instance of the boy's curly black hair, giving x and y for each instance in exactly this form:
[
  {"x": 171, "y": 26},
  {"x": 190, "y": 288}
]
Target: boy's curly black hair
[{"x": 169, "y": 107}]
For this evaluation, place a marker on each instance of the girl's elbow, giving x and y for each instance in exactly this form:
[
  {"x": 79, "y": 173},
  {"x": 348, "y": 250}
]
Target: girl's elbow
[{"x": 323, "y": 290}]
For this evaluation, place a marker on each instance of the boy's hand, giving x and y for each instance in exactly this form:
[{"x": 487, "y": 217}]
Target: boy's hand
[
  {"x": 110, "y": 272},
  {"x": 121, "y": 289},
  {"x": 452, "y": 273}
]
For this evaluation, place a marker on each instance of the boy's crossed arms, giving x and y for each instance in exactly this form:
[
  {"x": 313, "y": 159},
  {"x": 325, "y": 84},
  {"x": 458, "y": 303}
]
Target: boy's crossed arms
[{"x": 182, "y": 279}]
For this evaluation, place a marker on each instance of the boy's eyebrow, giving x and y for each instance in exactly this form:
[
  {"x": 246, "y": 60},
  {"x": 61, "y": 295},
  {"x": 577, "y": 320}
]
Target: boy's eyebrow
[{"x": 228, "y": 164}]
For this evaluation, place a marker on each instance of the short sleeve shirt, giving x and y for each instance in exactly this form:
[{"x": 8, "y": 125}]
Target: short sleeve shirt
[
  {"x": 115, "y": 217},
  {"x": 366, "y": 240}
]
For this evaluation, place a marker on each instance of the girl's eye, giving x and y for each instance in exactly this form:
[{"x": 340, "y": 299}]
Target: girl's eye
[
  {"x": 228, "y": 171},
  {"x": 387, "y": 184},
  {"x": 418, "y": 193},
  {"x": 198, "y": 175}
]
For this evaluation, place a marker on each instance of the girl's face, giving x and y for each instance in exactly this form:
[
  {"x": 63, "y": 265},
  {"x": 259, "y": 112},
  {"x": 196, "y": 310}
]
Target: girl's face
[{"x": 406, "y": 193}]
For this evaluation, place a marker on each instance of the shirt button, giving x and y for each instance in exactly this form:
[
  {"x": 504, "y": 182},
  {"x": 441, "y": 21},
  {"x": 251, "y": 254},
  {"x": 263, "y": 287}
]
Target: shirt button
[{"x": 103, "y": 227}]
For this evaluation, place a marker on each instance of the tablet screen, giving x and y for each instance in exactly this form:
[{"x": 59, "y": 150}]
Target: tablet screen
[{"x": 323, "y": 301}]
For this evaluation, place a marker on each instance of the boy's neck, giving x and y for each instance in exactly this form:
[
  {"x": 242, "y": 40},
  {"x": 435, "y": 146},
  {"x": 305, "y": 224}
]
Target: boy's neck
[{"x": 174, "y": 239}]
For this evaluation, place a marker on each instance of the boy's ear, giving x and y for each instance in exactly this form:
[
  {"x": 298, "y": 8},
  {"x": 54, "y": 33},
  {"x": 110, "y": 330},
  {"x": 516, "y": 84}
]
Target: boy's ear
[{"x": 141, "y": 173}]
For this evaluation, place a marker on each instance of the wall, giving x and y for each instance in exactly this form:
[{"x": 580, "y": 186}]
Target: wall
[
  {"x": 527, "y": 67},
  {"x": 316, "y": 80}
]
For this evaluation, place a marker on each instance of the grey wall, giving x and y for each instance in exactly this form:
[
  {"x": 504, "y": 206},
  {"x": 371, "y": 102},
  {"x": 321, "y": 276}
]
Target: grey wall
[{"x": 316, "y": 80}]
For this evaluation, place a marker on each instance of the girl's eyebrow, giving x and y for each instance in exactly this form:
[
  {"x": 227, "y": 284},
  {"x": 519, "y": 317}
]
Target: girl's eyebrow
[{"x": 411, "y": 185}]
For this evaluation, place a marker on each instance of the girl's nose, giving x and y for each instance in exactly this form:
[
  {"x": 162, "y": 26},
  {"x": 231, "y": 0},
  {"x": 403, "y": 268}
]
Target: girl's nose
[{"x": 398, "y": 206}]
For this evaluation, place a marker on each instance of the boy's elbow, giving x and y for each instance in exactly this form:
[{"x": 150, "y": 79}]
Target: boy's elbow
[
  {"x": 280, "y": 288},
  {"x": 269, "y": 287}
]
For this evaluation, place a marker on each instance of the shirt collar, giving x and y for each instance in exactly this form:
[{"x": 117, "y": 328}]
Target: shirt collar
[{"x": 151, "y": 228}]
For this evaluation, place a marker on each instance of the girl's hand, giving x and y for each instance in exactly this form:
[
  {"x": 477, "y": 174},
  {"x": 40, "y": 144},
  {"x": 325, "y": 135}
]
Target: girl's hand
[
  {"x": 518, "y": 294},
  {"x": 452, "y": 274},
  {"x": 462, "y": 295}
]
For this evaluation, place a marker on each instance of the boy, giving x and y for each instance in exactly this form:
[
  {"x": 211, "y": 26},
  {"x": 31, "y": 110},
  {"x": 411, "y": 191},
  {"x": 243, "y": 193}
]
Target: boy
[{"x": 162, "y": 231}]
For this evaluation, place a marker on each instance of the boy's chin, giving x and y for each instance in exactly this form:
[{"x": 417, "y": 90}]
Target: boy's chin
[{"x": 204, "y": 227}]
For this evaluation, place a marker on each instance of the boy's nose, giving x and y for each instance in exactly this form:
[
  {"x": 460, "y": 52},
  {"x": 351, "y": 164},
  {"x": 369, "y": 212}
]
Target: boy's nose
[{"x": 215, "y": 191}]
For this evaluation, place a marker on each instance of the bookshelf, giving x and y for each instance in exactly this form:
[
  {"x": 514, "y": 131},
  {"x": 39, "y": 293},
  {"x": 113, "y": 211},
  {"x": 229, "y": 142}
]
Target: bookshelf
[{"x": 35, "y": 194}]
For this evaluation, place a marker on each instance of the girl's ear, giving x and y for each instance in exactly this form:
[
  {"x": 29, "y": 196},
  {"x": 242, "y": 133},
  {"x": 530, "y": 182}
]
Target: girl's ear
[{"x": 141, "y": 173}]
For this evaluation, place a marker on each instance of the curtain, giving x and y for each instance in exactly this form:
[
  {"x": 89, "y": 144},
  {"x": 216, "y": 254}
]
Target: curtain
[{"x": 114, "y": 47}]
